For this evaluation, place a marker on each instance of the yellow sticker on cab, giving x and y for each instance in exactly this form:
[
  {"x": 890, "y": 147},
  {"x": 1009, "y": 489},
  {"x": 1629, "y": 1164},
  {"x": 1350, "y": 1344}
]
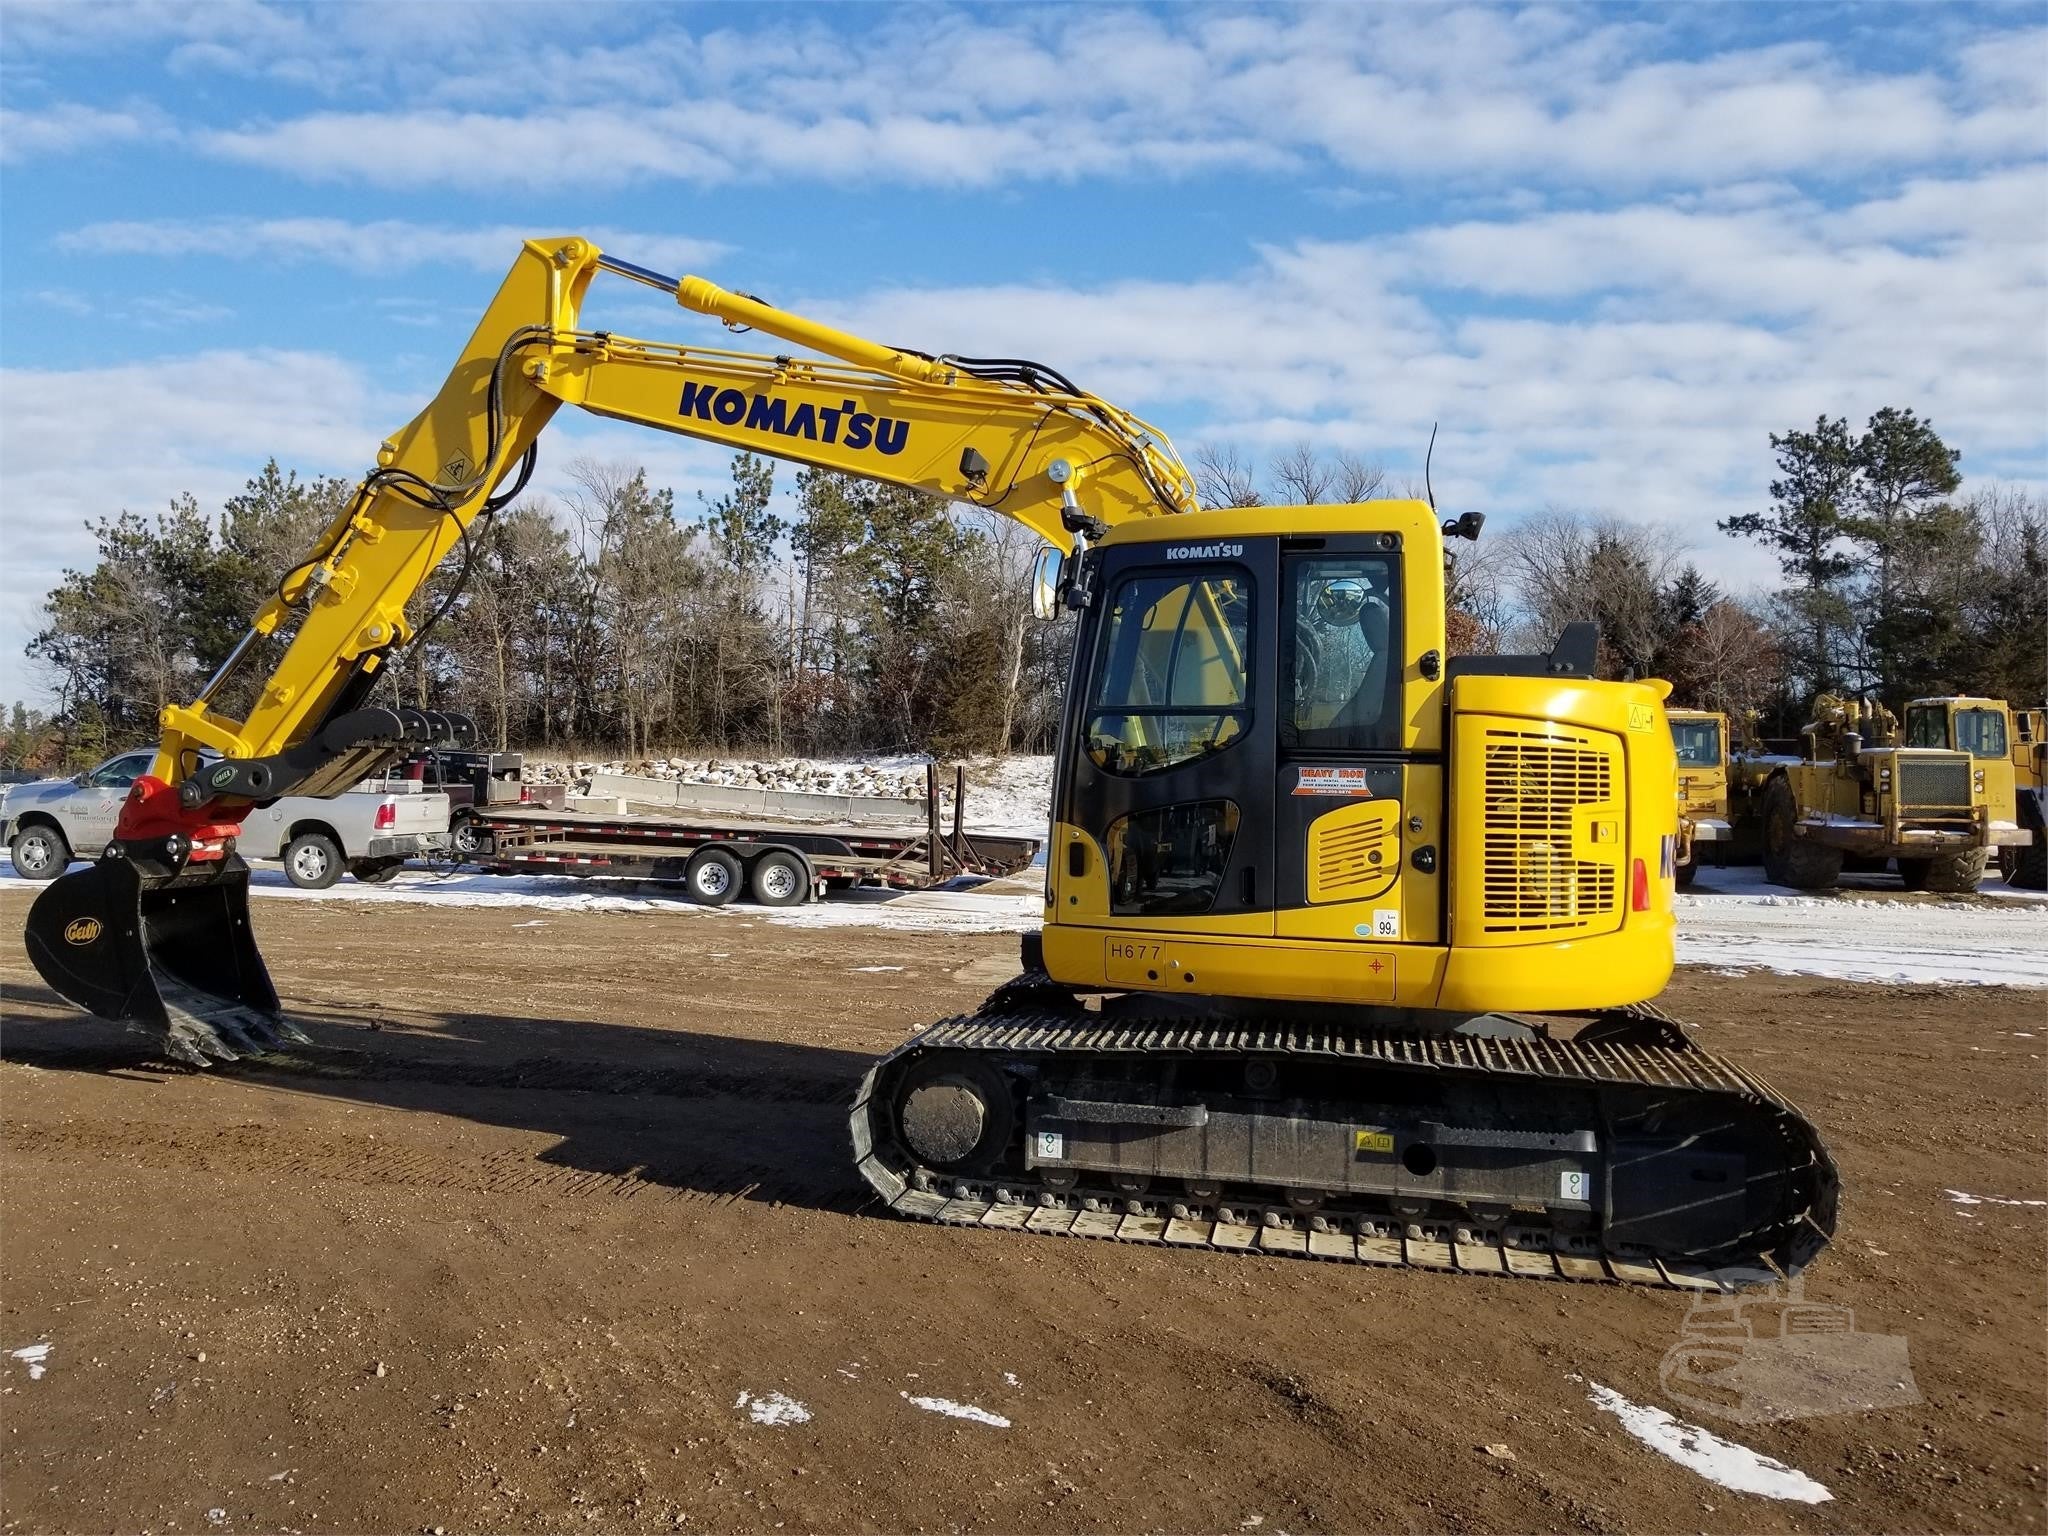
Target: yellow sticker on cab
[
  {"x": 1642, "y": 717},
  {"x": 1372, "y": 1141}
]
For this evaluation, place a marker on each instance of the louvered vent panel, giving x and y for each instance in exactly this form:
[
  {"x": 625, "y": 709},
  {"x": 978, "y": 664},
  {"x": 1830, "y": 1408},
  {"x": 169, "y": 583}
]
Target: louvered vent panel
[
  {"x": 1343, "y": 859},
  {"x": 1534, "y": 785}
]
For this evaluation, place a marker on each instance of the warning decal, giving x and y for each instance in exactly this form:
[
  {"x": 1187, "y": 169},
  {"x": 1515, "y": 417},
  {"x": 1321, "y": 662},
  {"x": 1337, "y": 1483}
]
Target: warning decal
[{"x": 1348, "y": 782}]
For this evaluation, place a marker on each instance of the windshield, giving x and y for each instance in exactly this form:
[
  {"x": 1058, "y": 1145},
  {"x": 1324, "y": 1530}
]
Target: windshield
[
  {"x": 1698, "y": 742},
  {"x": 1927, "y": 726},
  {"x": 1980, "y": 732},
  {"x": 1172, "y": 686}
]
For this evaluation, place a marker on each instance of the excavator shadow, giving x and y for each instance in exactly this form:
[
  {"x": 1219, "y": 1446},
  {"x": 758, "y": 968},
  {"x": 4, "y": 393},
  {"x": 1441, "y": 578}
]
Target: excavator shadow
[{"x": 634, "y": 1111}]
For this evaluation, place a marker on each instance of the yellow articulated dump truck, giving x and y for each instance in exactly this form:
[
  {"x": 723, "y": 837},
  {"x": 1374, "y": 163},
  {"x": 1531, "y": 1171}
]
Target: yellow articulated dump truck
[
  {"x": 1701, "y": 737},
  {"x": 2007, "y": 752}
]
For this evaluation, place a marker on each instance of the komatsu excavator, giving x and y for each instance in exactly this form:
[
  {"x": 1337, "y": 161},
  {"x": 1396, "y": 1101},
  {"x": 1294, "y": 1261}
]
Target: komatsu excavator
[{"x": 1348, "y": 943}]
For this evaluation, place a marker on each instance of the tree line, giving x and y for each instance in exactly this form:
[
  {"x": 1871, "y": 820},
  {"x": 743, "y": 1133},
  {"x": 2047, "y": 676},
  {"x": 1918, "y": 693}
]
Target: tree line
[{"x": 851, "y": 616}]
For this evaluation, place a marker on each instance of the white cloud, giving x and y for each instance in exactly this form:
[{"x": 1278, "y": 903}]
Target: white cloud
[
  {"x": 378, "y": 245},
  {"x": 1632, "y": 359},
  {"x": 961, "y": 99},
  {"x": 69, "y": 126}
]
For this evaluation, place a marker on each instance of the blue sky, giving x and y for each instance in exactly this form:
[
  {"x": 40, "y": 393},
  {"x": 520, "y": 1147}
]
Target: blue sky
[{"x": 1608, "y": 248}]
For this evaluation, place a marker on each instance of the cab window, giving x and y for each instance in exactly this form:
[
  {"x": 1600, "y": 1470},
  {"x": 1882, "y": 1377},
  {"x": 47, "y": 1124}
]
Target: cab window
[
  {"x": 1980, "y": 732},
  {"x": 120, "y": 772},
  {"x": 1926, "y": 727},
  {"x": 1698, "y": 742},
  {"x": 1338, "y": 641},
  {"x": 1173, "y": 682}
]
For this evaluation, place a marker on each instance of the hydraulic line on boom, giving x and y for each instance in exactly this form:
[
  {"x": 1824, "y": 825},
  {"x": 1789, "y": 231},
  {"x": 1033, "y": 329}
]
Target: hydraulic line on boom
[{"x": 1347, "y": 941}]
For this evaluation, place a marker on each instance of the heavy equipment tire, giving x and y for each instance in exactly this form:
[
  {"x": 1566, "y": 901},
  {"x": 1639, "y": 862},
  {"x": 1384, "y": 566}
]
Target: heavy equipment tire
[
  {"x": 1790, "y": 860},
  {"x": 376, "y": 871},
  {"x": 2025, "y": 868},
  {"x": 1959, "y": 871},
  {"x": 779, "y": 879},
  {"x": 712, "y": 877},
  {"x": 312, "y": 862},
  {"x": 39, "y": 852}
]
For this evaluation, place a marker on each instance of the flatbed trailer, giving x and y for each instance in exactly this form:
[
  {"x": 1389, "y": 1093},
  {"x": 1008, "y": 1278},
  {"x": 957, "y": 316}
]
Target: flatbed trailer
[{"x": 717, "y": 858}]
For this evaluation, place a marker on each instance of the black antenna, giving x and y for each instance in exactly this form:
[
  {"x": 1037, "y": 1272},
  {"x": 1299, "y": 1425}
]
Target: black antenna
[{"x": 1428, "y": 489}]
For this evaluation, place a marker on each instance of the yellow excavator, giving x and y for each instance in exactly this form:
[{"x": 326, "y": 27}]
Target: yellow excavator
[{"x": 1348, "y": 943}]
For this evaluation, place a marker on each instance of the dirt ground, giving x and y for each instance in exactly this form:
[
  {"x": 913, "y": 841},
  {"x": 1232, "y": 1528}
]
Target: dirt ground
[{"x": 504, "y": 1249}]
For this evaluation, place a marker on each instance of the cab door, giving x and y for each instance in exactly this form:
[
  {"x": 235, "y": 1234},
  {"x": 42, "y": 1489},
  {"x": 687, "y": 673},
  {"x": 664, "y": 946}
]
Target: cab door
[
  {"x": 1166, "y": 801},
  {"x": 1345, "y": 784}
]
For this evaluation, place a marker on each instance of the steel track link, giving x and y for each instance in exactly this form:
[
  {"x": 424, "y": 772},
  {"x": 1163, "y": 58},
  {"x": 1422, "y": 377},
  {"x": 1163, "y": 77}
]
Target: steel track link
[{"x": 1029, "y": 1017}]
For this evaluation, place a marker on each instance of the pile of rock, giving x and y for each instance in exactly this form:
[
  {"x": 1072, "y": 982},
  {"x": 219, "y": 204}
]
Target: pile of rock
[{"x": 789, "y": 774}]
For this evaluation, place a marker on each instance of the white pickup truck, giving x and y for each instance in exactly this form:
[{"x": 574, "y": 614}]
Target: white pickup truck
[{"x": 368, "y": 832}]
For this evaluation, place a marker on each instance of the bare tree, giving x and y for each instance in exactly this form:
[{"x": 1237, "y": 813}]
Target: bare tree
[
  {"x": 1302, "y": 475},
  {"x": 1223, "y": 477},
  {"x": 1358, "y": 479}
]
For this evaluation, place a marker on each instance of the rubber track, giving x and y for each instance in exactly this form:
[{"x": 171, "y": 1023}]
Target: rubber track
[{"x": 1673, "y": 1063}]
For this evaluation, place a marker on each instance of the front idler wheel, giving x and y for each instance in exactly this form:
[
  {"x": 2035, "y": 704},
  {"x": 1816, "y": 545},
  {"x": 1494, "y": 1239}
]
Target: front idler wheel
[{"x": 954, "y": 1116}]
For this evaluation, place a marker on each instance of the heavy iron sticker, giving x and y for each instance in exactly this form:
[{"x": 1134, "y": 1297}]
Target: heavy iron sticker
[{"x": 1347, "y": 782}]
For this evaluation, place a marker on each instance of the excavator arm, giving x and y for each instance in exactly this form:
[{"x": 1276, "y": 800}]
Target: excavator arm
[{"x": 157, "y": 932}]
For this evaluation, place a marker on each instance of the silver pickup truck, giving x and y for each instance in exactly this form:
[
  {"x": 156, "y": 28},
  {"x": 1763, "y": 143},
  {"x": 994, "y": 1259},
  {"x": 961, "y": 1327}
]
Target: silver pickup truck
[{"x": 368, "y": 832}]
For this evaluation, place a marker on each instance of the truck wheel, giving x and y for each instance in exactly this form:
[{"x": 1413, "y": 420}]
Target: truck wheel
[
  {"x": 712, "y": 877},
  {"x": 779, "y": 880},
  {"x": 467, "y": 839},
  {"x": 1959, "y": 871},
  {"x": 376, "y": 871},
  {"x": 1788, "y": 859},
  {"x": 39, "y": 853},
  {"x": 2025, "y": 868},
  {"x": 312, "y": 862}
]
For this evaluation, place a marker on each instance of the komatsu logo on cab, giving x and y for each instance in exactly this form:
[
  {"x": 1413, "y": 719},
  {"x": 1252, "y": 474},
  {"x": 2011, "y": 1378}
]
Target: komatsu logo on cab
[
  {"x": 1204, "y": 551},
  {"x": 848, "y": 426}
]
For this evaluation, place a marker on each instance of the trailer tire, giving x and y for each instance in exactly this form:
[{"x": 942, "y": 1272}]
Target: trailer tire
[
  {"x": 376, "y": 871},
  {"x": 1951, "y": 872},
  {"x": 1789, "y": 859},
  {"x": 712, "y": 877},
  {"x": 39, "y": 852},
  {"x": 312, "y": 862},
  {"x": 779, "y": 879}
]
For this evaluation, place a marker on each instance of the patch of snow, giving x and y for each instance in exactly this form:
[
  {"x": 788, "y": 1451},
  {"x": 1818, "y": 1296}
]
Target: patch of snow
[
  {"x": 35, "y": 1356},
  {"x": 1010, "y": 1379},
  {"x": 1962, "y": 1199},
  {"x": 858, "y": 969},
  {"x": 1733, "y": 920},
  {"x": 538, "y": 922},
  {"x": 953, "y": 1410},
  {"x": 775, "y": 1409},
  {"x": 1719, "y": 1461}
]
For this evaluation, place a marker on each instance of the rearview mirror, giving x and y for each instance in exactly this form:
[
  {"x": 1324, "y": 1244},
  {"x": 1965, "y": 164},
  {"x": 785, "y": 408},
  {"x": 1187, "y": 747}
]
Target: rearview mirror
[
  {"x": 81, "y": 780},
  {"x": 1045, "y": 582}
]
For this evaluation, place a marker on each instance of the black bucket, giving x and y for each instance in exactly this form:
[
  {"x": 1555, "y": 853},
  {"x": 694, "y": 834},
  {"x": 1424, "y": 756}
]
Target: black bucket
[{"x": 165, "y": 950}]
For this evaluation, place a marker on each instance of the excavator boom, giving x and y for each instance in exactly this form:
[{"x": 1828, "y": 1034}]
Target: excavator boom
[{"x": 157, "y": 932}]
